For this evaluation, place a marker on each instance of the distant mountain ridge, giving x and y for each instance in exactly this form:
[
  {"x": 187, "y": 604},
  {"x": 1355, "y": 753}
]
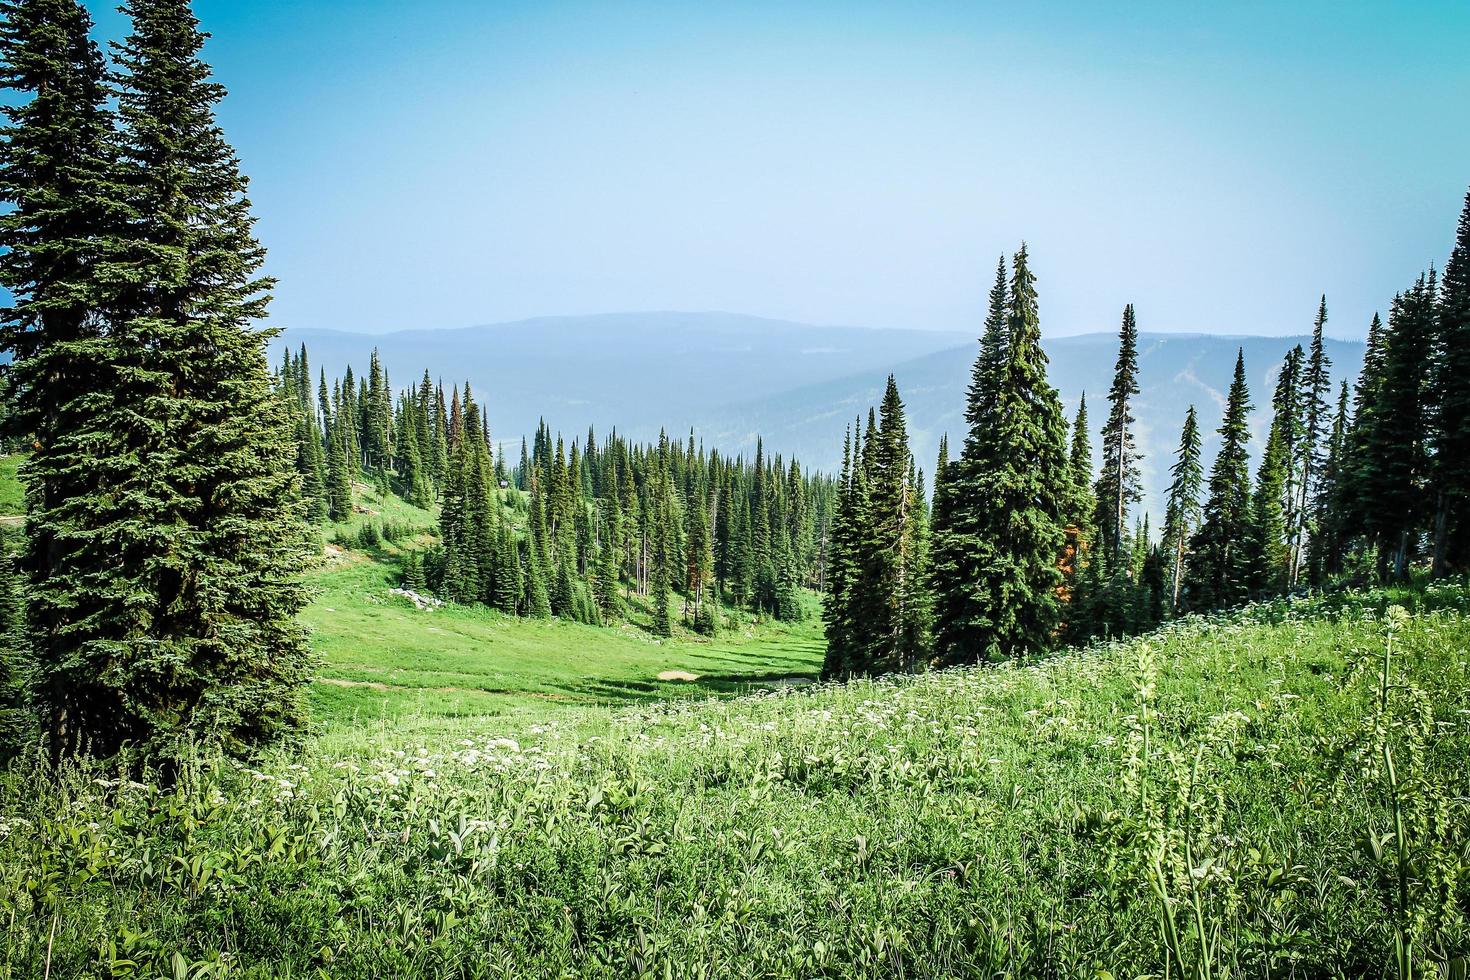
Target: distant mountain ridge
[{"x": 733, "y": 378}]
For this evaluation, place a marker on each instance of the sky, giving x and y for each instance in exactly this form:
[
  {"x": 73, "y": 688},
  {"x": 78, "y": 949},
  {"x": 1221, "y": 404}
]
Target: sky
[{"x": 1219, "y": 165}]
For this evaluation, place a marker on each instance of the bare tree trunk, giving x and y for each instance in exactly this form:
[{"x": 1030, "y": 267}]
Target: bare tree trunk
[{"x": 1441, "y": 536}]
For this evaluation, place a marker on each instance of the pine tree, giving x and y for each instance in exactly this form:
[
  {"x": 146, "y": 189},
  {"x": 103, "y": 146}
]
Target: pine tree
[
  {"x": 1394, "y": 464},
  {"x": 1015, "y": 484},
  {"x": 610, "y": 557},
  {"x": 196, "y": 635},
  {"x": 957, "y": 551},
  {"x": 510, "y": 585},
  {"x": 312, "y": 466},
  {"x": 1331, "y": 507},
  {"x": 1117, "y": 486},
  {"x": 845, "y": 644},
  {"x": 1218, "y": 572},
  {"x": 1316, "y": 420},
  {"x": 661, "y": 577},
  {"x": 339, "y": 486},
  {"x": 1451, "y": 409},
  {"x": 889, "y": 584},
  {"x": 699, "y": 558},
  {"x": 1267, "y": 556},
  {"x": 59, "y": 247},
  {"x": 1083, "y": 506},
  {"x": 1079, "y": 532},
  {"x": 536, "y": 602},
  {"x": 1182, "y": 512}
]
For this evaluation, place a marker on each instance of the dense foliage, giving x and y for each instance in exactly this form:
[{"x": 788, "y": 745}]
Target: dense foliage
[{"x": 573, "y": 529}]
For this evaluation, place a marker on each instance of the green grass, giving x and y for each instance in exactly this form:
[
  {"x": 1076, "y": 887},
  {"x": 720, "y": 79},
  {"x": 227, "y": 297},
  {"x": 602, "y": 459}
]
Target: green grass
[
  {"x": 383, "y": 657},
  {"x": 1212, "y": 800},
  {"x": 12, "y": 494}
]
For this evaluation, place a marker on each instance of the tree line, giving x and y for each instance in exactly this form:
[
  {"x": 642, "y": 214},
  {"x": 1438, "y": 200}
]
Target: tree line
[
  {"x": 1031, "y": 542},
  {"x": 176, "y": 487},
  {"x": 577, "y": 529}
]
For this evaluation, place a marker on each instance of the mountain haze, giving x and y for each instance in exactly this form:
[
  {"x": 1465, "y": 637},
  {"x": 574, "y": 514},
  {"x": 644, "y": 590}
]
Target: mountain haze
[{"x": 733, "y": 378}]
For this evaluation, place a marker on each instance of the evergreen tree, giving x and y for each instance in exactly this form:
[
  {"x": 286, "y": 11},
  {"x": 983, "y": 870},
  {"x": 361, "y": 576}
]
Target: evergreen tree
[
  {"x": 1330, "y": 505},
  {"x": 1451, "y": 406},
  {"x": 536, "y": 602},
  {"x": 662, "y": 559},
  {"x": 889, "y": 589},
  {"x": 1316, "y": 420},
  {"x": 59, "y": 247},
  {"x": 1182, "y": 512},
  {"x": 190, "y": 632},
  {"x": 1015, "y": 486},
  {"x": 1266, "y": 546},
  {"x": 339, "y": 485},
  {"x": 1118, "y": 485},
  {"x": 1081, "y": 510},
  {"x": 844, "y": 638},
  {"x": 1078, "y": 530},
  {"x": 610, "y": 556},
  {"x": 957, "y": 550},
  {"x": 1394, "y": 462},
  {"x": 698, "y": 553},
  {"x": 1218, "y": 573}
]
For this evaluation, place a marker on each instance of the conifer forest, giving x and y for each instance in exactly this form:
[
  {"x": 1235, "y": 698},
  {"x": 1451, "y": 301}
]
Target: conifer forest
[{"x": 310, "y": 671}]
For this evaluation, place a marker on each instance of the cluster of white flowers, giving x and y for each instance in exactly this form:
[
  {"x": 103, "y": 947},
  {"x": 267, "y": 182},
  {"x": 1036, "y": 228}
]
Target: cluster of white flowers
[{"x": 12, "y": 824}]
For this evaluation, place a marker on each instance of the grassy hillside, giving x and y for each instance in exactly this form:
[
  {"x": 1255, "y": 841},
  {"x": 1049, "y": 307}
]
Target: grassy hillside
[
  {"x": 1212, "y": 800},
  {"x": 12, "y": 494},
  {"x": 385, "y": 657}
]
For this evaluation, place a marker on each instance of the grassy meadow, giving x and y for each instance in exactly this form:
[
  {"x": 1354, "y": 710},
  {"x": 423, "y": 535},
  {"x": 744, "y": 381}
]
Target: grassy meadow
[
  {"x": 384, "y": 658},
  {"x": 1279, "y": 792},
  {"x": 1214, "y": 800}
]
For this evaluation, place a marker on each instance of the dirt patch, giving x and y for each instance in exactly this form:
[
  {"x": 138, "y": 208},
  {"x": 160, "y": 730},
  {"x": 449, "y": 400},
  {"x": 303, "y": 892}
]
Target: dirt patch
[
  {"x": 339, "y": 682},
  {"x": 677, "y": 675},
  {"x": 380, "y": 686}
]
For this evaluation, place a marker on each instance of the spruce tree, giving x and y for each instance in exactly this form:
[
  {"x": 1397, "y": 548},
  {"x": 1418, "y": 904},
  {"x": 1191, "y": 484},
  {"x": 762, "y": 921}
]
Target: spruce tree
[
  {"x": 1083, "y": 506},
  {"x": 338, "y": 491},
  {"x": 1394, "y": 463},
  {"x": 1451, "y": 406},
  {"x": 1266, "y": 544},
  {"x": 841, "y": 573},
  {"x": 1117, "y": 485},
  {"x": 610, "y": 556},
  {"x": 698, "y": 553},
  {"x": 661, "y": 577},
  {"x": 1316, "y": 420},
  {"x": 59, "y": 250},
  {"x": 1218, "y": 573},
  {"x": 890, "y": 585},
  {"x": 191, "y": 632},
  {"x": 1331, "y": 508},
  {"x": 957, "y": 551},
  {"x": 1182, "y": 512},
  {"x": 1077, "y": 553},
  {"x": 1015, "y": 485}
]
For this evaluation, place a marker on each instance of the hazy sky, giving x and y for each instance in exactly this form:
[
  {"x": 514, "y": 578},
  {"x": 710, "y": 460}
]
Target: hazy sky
[{"x": 441, "y": 164}]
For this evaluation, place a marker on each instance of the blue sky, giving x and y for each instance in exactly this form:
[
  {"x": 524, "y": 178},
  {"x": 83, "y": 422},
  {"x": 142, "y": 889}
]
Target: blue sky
[{"x": 441, "y": 164}]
